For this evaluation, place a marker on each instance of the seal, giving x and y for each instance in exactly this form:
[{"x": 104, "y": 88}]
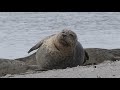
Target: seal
[
  {"x": 99, "y": 55},
  {"x": 59, "y": 51},
  {"x": 8, "y": 66},
  {"x": 17, "y": 66}
]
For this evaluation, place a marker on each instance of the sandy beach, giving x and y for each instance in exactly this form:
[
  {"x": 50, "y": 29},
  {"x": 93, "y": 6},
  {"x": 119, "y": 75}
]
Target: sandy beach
[{"x": 104, "y": 70}]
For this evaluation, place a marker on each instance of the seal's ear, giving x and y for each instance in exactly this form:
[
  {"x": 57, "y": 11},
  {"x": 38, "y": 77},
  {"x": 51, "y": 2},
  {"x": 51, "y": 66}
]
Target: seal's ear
[
  {"x": 86, "y": 56},
  {"x": 36, "y": 46}
]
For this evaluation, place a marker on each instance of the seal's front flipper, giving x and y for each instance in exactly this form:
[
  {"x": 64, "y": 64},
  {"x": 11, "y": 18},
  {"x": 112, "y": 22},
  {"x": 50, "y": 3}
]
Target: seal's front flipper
[
  {"x": 36, "y": 46},
  {"x": 86, "y": 56},
  {"x": 39, "y": 44}
]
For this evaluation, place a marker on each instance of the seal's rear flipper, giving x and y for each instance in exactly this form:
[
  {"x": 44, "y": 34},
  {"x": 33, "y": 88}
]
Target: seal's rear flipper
[{"x": 36, "y": 68}]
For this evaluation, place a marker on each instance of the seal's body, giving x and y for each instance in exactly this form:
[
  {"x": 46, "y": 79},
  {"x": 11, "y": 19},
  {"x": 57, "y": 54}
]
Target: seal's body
[
  {"x": 8, "y": 66},
  {"x": 59, "y": 51},
  {"x": 99, "y": 55}
]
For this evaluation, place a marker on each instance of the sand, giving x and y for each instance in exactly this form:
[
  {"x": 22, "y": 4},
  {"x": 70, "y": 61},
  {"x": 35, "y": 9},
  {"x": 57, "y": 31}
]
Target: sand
[{"x": 104, "y": 70}]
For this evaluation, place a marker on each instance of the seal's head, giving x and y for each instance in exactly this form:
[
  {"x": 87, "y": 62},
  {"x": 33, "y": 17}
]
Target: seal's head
[{"x": 67, "y": 38}]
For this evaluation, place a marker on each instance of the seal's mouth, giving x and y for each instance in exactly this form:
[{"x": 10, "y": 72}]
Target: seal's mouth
[{"x": 64, "y": 42}]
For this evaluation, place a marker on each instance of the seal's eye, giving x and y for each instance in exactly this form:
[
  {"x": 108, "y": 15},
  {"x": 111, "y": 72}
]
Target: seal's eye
[
  {"x": 63, "y": 32},
  {"x": 72, "y": 35}
]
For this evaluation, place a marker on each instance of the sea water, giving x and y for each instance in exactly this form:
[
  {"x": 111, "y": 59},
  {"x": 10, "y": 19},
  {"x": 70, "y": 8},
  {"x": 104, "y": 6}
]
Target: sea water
[{"x": 19, "y": 31}]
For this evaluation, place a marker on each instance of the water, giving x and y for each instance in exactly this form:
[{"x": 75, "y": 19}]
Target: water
[{"x": 19, "y": 31}]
